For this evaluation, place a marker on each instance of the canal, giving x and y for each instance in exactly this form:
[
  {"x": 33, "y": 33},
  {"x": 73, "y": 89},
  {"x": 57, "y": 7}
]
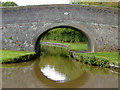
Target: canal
[{"x": 54, "y": 69}]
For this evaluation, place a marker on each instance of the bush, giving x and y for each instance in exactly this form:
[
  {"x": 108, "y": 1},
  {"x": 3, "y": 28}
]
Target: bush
[
  {"x": 6, "y": 4},
  {"x": 98, "y": 61},
  {"x": 64, "y": 35}
]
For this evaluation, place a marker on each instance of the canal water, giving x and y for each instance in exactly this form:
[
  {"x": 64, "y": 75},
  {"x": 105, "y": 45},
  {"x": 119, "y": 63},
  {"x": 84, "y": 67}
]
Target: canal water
[{"x": 54, "y": 69}]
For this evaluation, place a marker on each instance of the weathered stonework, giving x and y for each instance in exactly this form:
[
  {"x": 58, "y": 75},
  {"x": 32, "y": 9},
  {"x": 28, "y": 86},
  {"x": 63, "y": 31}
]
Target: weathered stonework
[{"x": 22, "y": 26}]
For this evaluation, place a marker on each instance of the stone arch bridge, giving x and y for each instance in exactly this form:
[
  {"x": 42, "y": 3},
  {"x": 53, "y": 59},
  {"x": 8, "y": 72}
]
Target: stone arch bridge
[{"x": 23, "y": 26}]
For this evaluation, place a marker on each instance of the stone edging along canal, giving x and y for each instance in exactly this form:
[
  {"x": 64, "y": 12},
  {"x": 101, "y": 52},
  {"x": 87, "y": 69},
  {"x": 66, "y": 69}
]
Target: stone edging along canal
[{"x": 93, "y": 60}]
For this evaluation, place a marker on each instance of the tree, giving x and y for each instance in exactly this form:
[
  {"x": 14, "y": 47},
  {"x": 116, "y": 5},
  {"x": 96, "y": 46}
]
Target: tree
[{"x": 6, "y": 4}]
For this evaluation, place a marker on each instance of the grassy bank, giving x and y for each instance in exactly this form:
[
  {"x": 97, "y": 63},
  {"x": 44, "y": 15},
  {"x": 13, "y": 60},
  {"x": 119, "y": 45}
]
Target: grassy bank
[
  {"x": 99, "y": 58},
  {"x": 9, "y": 56},
  {"x": 72, "y": 46}
]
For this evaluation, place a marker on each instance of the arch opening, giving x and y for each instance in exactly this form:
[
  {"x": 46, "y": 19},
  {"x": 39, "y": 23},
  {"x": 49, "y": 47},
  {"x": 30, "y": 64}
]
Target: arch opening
[{"x": 91, "y": 45}]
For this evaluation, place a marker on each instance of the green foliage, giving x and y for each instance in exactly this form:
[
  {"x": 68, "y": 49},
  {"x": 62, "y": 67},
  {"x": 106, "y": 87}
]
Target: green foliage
[
  {"x": 64, "y": 35},
  {"x": 11, "y": 38},
  {"x": 111, "y": 56},
  {"x": 106, "y": 4},
  {"x": 93, "y": 60},
  {"x": 19, "y": 44},
  {"x": 99, "y": 58},
  {"x": 6, "y": 4}
]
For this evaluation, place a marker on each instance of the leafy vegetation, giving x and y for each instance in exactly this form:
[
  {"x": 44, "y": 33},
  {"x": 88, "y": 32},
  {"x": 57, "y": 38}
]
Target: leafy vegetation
[
  {"x": 16, "y": 56},
  {"x": 64, "y": 35},
  {"x": 6, "y": 4},
  {"x": 105, "y": 4},
  {"x": 98, "y": 58}
]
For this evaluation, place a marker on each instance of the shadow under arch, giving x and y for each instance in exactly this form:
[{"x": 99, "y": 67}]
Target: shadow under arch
[
  {"x": 50, "y": 83},
  {"x": 91, "y": 43}
]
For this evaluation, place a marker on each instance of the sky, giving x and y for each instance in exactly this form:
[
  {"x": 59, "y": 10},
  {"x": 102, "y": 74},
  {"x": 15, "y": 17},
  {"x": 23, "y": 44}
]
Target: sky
[{"x": 38, "y": 2}]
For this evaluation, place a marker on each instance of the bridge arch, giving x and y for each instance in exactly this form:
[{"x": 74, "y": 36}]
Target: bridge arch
[{"x": 91, "y": 43}]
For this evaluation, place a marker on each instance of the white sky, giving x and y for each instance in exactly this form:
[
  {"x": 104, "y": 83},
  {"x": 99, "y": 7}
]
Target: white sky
[{"x": 38, "y": 2}]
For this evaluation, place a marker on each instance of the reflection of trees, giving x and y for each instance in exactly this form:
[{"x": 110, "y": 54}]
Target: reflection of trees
[
  {"x": 55, "y": 51},
  {"x": 58, "y": 51},
  {"x": 63, "y": 65},
  {"x": 83, "y": 77}
]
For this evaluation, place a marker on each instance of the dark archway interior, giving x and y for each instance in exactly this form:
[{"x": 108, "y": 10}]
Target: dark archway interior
[{"x": 37, "y": 44}]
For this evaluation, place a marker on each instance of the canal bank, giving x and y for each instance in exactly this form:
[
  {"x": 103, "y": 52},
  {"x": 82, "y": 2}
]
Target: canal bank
[
  {"x": 102, "y": 59},
  {"x": 9, "y": 56},
  {"x": 50, "y": 71}
]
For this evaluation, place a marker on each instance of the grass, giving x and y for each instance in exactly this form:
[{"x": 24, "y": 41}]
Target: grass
[
  {"x": 111, "y": 57},
  {"x": 71, "y": 46},
  {"x": 9, "y": 56}
]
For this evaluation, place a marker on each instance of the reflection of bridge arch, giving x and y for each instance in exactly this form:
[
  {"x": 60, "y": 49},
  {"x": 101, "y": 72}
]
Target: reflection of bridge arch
[
  {"x": 50, "y": 83},
  {"x": 91, "y": 44}
]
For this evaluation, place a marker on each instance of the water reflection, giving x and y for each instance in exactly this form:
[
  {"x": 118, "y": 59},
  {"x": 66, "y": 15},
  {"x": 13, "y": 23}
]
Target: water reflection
[
  {"x": 60, "y": 69},
  {"x": 56, "y": 71},
  {"x": 63, "y": 81},
  {"x": 52, "y": 74}
]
